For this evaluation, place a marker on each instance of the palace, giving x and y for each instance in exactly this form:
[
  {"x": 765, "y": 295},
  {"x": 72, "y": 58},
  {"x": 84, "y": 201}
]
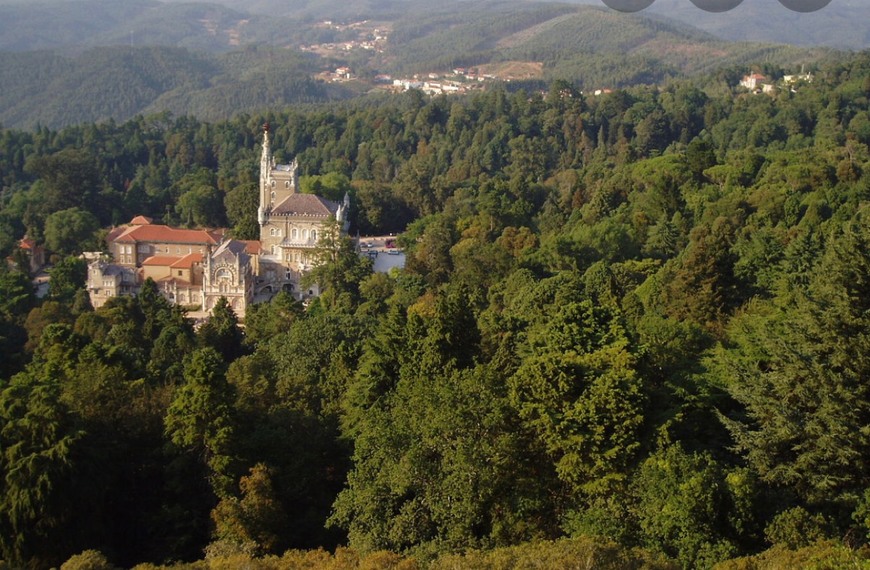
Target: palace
[{"x": 195, "y": 268}]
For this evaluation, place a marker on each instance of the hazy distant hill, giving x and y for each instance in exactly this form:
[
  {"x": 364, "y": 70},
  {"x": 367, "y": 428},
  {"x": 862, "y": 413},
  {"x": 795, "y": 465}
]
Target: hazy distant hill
[
  {"x": 842, "y": 23},
  {"x": 120, "y": 82},
  {"x": 333, "y": 9},
  {"x": 227, "y": 24},
  {"x": 588, "y": 45},
  {"x": 88, "y": 23},
  {"x": 591, "y": 46}
]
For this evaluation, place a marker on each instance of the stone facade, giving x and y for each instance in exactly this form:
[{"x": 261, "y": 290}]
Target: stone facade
[
  {"x": 228, "y": 273},
  {"x": 195, "y": 268},
  {"x": 291, "y": 225}
]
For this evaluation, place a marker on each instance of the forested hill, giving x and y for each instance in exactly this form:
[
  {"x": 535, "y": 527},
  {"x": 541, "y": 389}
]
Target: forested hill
[
  {"x": 119, "y": 82},
  {"x": 47, "y": 24},
  {"x": 590, "y": 47},
  {"x": 225, "y": 24},
  {"x": 840, "y": 24},
  {"x": 635, "y": 324}
]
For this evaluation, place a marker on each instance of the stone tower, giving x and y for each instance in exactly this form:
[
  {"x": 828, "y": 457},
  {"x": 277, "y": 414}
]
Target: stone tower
[{"x": 277, "y": 181}]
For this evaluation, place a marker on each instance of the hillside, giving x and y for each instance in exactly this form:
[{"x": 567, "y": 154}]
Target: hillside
[
  {"x": 327, "y": 9},
  {"x": 223, "y": 24},
  {"x": 212, "y": 69},
  {"x": 587, "y": 45},
  {"x": 53, "y": 24},
  {"x": 121, "y": 82},
  {"x": 641, "y": 317},
  {"x": 840, "y": 24}
]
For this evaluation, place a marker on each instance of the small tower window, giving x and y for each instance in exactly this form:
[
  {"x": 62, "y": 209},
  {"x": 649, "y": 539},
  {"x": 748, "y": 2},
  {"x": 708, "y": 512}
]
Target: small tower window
[
  {"x": 273, "y": 196},
  {"x": 313, "y": 235},
  {"x": 273, "y": 184},
  {"x": 287, "y": 184},
  {"x": 295, "y": 233}
]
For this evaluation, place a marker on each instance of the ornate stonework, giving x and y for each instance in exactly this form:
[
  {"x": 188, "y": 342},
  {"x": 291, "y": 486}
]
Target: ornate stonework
[
  {"x": 198, "y": 267},
  {"x": 291, "y": 224}
]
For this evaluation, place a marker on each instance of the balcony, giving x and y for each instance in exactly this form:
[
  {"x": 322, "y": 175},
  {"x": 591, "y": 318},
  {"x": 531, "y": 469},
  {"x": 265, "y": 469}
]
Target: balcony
[{"x": 289, "y": 243}]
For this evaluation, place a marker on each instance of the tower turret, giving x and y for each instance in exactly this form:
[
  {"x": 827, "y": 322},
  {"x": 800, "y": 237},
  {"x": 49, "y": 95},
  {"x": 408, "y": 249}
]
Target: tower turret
[{"x": 266, "y": 165}]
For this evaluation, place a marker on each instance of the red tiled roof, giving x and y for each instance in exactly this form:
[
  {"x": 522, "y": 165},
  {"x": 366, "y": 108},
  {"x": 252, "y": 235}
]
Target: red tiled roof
[
  {"x": 27, "y": 243},
  {"x": 252, "y": 246},
  {"x": 114, "y": 233},
  {"x": 188, "y": 261},
  {"x": 141, "y": 221},
  {"x": 161, "y": 260},
  {"x": 174, "y": 261},
  {"x": 164, "y": 234}
]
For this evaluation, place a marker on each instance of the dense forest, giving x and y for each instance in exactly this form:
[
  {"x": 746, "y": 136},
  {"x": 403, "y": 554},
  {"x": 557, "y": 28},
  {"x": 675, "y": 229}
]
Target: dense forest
[{"x": 632, "y": 329}]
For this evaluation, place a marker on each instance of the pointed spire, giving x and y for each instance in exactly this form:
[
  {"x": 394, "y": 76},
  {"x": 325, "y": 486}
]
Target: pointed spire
[
  {"x": 267, "y": 152},
  {"x": 265, "y": 169}
]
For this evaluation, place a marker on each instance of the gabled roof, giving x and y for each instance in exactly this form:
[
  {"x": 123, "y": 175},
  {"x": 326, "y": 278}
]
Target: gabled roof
[
  {"x": 108, "y": 269},
  {"x": 27, "y": 243},
  {"x": 141, "y": 221},
  {"x": 188, "y": 261},
  {"x": 306, "y": 205},
  {"x": 231, "y": 246},
  {"x": 160, "y": 261},
  {"x": 174, "y": 261},
  {"x": 252, "y": 246},
  {"x": 115, "y": 232},
  {"x": 164, "y": 234}
]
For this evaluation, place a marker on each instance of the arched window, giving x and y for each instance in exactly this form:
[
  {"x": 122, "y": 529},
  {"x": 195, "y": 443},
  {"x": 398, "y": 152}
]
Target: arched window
[
  {"x": 224, "y": 278},
  {"x": 273, "y": 184},
  {"x": 273, "y": 196},
  {"x": 313, "y": 235},
  {"x": 295, "y": 233},
  {"x": 305, "y": 235},
  {"x": 287, "y": 184}
]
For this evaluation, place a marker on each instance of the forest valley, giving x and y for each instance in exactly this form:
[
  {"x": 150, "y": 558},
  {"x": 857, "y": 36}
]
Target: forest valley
[{"x": 632, "y": 329}]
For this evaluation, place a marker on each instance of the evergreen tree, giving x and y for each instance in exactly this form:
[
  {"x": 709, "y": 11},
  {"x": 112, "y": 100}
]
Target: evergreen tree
[
  {"x": 200, "y": 418},
  {"x": 798, "y": 367},
  {"x": 221, "y": 332}
]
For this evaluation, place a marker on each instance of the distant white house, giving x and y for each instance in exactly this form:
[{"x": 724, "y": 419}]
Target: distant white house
[
  {"x": 753, "y": 81},
  {"x": 790, "y": 79}
]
